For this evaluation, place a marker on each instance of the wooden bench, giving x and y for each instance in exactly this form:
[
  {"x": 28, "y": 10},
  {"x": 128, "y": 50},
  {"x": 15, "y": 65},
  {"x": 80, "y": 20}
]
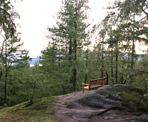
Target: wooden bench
[{"x": 93, "y": 84}]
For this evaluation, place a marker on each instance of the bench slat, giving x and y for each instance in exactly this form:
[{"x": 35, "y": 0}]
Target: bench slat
[{"x": 94, "y": 83}]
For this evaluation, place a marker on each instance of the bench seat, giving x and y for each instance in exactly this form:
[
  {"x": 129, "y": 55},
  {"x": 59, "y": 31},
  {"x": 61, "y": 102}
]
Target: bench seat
[
  {"x": 92, "y": 87},
  {"x": 93, "y": 84}
]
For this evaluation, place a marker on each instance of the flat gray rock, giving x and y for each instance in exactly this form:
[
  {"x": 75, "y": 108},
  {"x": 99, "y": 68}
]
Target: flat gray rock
[{"x": 111, "y": 103}]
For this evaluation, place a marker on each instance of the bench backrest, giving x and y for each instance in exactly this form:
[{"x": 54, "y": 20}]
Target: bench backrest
[{"x": 100, "y": 81}]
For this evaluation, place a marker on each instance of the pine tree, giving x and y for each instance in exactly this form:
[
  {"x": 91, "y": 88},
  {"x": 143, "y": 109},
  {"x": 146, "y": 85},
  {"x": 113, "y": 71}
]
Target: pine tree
[
  {"x": 70, "y": 32},
  {"x": 10, "y": 52}
]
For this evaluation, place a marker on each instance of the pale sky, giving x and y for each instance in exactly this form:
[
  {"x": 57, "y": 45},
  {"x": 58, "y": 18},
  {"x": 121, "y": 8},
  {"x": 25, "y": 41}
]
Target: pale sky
[{"x": 37, "y": 15}]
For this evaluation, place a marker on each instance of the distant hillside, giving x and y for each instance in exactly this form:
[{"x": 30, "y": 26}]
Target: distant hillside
[
  {"x": 37, "y": 60},
  {"x": 34, "y": 61}
]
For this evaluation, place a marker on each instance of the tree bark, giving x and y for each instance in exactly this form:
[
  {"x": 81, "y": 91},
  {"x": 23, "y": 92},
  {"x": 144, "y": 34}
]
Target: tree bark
[
  {"x": 107, "y": 77},
  {"x": 112, "y": 71},
  {"x": 102, "y": 64},
  {"x": 132, "y": 61},
  {"x": 116, "y": 69},
  {"x": 70, "y": 50},
  {"x": 6, "y": 75},
  {"x": 1, "y": 74},
  {"x": 75, "y": 52},
  {"x": 86, "y": 72},
  {"x": 74, "y": 79},
  {"x": 74, "y": 67},
  {"x": 122, "y": 79}
]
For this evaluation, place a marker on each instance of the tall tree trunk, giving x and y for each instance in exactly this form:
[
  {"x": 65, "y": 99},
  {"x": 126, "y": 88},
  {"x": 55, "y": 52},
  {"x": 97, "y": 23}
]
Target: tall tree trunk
[
  {"x": 6, "y": 75},
  {"x": 70, "y": 58},
  {"x": 102, "y": 64},
  {"x": 98, "y": 60},
  {"x": 59, "y": 57},
  {"x": 86, "y": 63},
  {"x": 1, "y": 74},
  {"x": 74, "y": 79},
  {"x": 112, "y": 70},
  {"x": 75, "y": 53},
  {"x": 116, "y": 69},
  {"x": 107, "y": 77},
  {"x": 70, "y": 50},
  {"x": 133, "y": 53},
  {"x": 132, "y": 56},
  {"x": 128, "y": 68},
  {"x": 128, "y": 58},
  {"x": 122, "y": 79},
  {"x": 132, "y": 61},
  {"x": 74, "y": 68}
]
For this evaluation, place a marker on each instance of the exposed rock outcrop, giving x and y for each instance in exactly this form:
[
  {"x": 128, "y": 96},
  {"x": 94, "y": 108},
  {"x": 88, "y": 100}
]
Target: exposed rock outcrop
[
  {"x": 109, "y": 103},
  {"x": 122, "y": 96}
]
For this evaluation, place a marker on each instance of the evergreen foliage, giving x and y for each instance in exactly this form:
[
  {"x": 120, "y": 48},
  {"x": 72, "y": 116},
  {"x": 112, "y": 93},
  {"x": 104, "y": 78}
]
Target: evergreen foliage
[
  {"x": 68, "y": 39},
  {"x": 10, "y": 52},
  {"x": 68, "y": 60}
]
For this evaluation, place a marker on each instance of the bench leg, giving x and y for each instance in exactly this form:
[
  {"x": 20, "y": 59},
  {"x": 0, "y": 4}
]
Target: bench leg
[{"x": 83, "y": 90}]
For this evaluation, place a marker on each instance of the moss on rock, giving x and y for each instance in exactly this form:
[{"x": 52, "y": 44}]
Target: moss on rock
[{"x": 109, "y": 96}]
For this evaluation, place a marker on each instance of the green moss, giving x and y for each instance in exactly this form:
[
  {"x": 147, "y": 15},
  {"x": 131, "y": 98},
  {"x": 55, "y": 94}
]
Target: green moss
[
  {"x": 135, "y": 101},
  {"x": 132, "y": 96},
  {"x": 114, "y": 89},
  {"x": 40, "y": 111}
]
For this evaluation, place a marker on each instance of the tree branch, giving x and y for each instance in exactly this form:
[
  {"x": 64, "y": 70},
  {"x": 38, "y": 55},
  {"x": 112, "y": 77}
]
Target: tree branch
[
  {"x": 144, "y": 12},
  {"x": 142, "y": 19}
]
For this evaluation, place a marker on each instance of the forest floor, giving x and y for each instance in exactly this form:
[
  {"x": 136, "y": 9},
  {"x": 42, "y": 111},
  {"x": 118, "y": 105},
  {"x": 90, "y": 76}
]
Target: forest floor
[
  {"x": 55, "y": 109},
  {"x": 40, "y": 111},
  {"x": 82, "y": 114}
]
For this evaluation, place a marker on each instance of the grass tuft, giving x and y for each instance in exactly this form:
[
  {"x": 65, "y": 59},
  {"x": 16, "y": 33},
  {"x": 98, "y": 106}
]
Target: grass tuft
[{"x": 40, "y": 111}]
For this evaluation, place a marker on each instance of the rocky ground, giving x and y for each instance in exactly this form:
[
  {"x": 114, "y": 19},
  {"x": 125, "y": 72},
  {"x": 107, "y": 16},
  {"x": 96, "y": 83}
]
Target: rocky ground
[{"x": 105, "y": 104}]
